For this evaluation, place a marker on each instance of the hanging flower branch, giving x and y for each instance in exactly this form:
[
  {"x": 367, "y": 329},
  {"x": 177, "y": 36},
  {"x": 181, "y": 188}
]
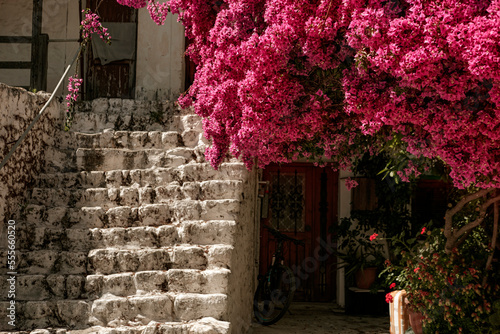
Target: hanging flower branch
[{"x": 90, "y": 25}]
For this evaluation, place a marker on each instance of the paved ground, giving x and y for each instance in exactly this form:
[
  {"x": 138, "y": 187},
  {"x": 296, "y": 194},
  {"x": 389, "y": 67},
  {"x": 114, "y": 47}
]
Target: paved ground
[{"x": 320, "y": 318}]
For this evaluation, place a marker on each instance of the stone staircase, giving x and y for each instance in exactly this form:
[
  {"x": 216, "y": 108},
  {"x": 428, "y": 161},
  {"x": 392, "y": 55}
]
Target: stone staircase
[{"x": 129, "y": 229}]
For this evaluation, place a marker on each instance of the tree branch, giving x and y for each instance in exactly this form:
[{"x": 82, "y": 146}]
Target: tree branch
[
  {"x": 453, "y": 236},
  {"x": 448, "y": 217}
]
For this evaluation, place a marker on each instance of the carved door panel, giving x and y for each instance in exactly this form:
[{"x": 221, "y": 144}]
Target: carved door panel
[{"x": 301, "y": 202}]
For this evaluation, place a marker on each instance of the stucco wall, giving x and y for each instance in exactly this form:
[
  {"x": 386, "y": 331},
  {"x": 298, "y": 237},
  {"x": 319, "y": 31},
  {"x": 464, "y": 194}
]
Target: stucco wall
[
  {"x": 160, "y": 49},
  {"x": 17, "y": 109}
]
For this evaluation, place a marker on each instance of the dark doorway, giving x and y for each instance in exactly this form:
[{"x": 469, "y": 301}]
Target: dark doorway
[
  {"x": 301, "y": 202},
  {"x": 113, "y": 77}
]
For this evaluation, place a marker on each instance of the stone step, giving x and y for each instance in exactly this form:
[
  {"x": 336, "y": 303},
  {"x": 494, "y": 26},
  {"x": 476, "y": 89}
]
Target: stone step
[
  {"x": 135, "y": 196},
  {"x": 82, "y": 287},
  {"x": 98, "y": 217},
  {"x": 108, "y": 261},
  {"x": 107, "y": 159},
  {"x": 171, "y": 211},
  {"x": 129, "y": 115},
  {"x": 207, "y": 325},
  {"x": 72, "y": 314},
  {"x": 158, "y": 281},
  {"x": 116, "y": 260},
  {"x": 120, "y": 139},
  {"x": 31, "y": 237},
  {"x": 113, "y": 311},
  {"x": 143, "y": 177}
]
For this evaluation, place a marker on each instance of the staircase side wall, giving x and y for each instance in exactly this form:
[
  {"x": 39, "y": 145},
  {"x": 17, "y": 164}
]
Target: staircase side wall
[
  {"x": 18, "y": 108},
  {"x": 242, "y": 279}
]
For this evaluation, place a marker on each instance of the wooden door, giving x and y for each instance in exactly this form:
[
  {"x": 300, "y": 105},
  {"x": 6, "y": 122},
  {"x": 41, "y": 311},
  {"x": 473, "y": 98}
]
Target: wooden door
[
  {"x": 301, "y": 202},
  {"x": 115, "y": 79}
]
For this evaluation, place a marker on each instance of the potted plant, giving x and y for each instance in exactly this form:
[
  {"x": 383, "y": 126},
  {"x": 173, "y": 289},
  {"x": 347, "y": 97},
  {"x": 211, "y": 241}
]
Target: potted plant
[
  {"x": 360, "y": 257},
  {"x": 449, "y": 290}
]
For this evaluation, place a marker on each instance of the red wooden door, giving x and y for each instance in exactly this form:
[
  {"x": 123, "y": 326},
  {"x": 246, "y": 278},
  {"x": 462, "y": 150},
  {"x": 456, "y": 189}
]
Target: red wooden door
[{"x": 301, "y": 202}]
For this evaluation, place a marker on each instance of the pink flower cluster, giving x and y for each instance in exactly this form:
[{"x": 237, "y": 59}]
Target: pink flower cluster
[
  {"x": 91, "y": 24},
  {"x": 74, "y": 84},
  {"x": 282, "y": 79},
  {"x": 133, "y": 3}
]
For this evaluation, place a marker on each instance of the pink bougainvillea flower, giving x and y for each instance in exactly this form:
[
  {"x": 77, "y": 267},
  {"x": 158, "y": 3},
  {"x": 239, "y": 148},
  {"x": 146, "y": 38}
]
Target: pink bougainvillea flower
[
  {"x": 373, "y": 236},
  {"x": 423, "y": 230},
  {"x": 389, "y": 298},
  {"x": 392, "y": 286},
  {"x": 350, "y": 183}
]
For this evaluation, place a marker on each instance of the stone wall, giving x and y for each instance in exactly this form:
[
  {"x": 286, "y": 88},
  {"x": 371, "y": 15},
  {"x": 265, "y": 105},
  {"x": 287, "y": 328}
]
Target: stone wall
[{"x": 17, "y": 109}]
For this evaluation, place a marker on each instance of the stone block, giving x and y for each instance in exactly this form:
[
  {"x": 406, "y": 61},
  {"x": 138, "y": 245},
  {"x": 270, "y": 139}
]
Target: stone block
[
  {"x": 151, "y": 281},
  {"x": 121, "y": 284},
  {"x": 208, "y": 232},
  {"x": 219, "y": 256},
  {"x": 189, "y": 257},
  {"x": 155, "y": 307},
  {"x": 192, "y": 306}
]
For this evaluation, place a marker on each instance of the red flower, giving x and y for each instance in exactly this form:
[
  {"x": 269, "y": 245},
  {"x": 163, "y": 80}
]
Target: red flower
[
  {"x": 389, "y": 298},
  {"x": 373, "y": 236},
  {"x": 392, "y": 286},
  {"x": 423, "y": 230},
  {"x": 416, "y": 269}
]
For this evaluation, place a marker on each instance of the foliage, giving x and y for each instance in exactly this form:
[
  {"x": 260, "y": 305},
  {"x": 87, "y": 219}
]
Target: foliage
[
  {"x": 495, "y": 317},
  {"x": 447, "y": 288},
  {"x": 356, "y": 249}
]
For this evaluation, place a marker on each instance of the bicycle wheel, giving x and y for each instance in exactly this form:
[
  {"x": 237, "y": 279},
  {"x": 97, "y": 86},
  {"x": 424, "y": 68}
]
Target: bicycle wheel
[{"x": 274, "y": 295}]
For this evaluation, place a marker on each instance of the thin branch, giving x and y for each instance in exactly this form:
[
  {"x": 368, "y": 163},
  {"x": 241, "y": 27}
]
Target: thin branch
[
  {"x": 450, "y": 213},
  {"x": 453, "y": 236}
]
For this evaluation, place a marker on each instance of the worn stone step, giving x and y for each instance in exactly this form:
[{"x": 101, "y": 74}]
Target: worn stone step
[
  {"x": 72, "y": 314},
  {"x": 207, "y": 325},
  {"x": 81, "y": 240},
  {"x": 121, "y": 139},
  {"x": 116, "y": 311},
  {"x": 108, "y": 261},
  {"x": 136, "y": 196},
  {"x": 106, "y": 159},
  {"x": 120, "y": 216},
  {"x": 143, "y": 177},
  {"x": 124, "y": 114},
  {"x": 171, "y": 211},
  {"x": 158, "y": 281},
  {"x": 43, "y": 287}
]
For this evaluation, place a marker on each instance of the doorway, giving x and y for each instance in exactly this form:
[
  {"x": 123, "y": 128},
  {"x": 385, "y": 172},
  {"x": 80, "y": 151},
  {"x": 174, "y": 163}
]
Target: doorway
[
  {"x": 110, "y": 69},
  {"x": 301, "y": 202}
]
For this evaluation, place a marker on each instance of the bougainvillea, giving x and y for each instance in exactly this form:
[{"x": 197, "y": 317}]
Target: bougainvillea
[
  {"x": 430, "y": 71},
  {"x": 282, "y": 79}
]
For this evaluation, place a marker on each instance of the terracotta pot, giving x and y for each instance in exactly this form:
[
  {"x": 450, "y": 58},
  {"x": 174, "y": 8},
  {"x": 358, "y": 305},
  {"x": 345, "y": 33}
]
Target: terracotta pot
[
  {"x": 415, "y": 319},
  {"x": 365, "y": 277}
]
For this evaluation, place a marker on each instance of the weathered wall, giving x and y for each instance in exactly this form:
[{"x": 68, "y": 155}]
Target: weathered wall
[
  {"x": 160, "y": 50},
  {"x": 17, "y": 109},
  {"x": 243, "y": 265}
]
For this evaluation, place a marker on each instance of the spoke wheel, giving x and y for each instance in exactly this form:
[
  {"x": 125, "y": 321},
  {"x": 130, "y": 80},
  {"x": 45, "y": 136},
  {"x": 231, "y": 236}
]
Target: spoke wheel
[{"x": 274, "y": 295}]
